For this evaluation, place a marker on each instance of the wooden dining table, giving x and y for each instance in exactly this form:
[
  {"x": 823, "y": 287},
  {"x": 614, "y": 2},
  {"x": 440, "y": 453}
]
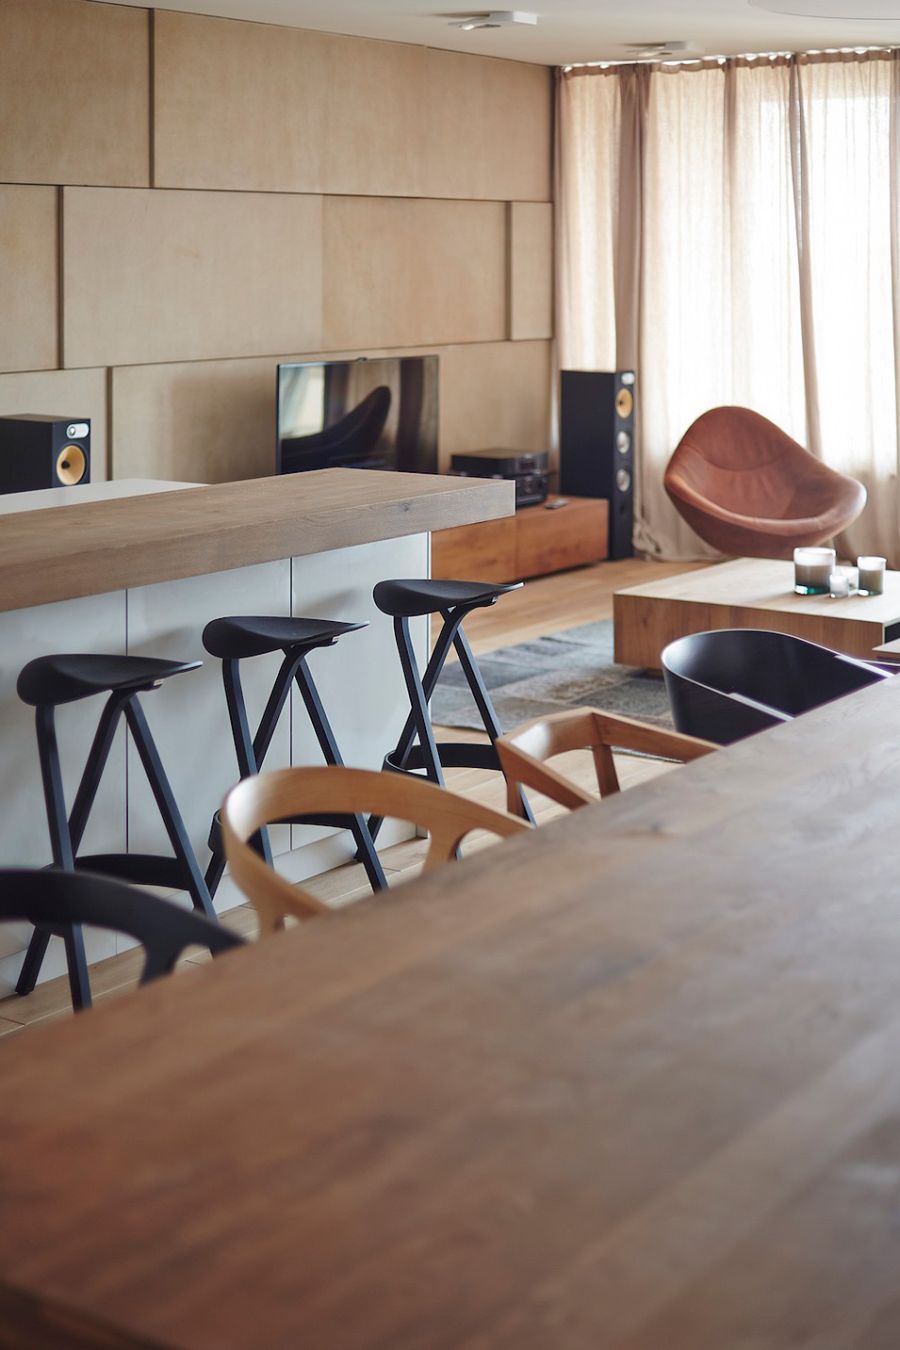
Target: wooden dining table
[{"x": 628, "y": 1082}]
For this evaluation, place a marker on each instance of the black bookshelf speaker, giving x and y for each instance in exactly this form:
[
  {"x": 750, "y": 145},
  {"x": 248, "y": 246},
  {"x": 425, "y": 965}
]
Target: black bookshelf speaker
[
  {"x": 44, "y": 452},
  {"x": 596, "y": 446}
]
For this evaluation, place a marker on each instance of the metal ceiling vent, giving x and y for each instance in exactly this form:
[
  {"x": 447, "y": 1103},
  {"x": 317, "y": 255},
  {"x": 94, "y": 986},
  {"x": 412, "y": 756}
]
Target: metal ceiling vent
[{"x": 496, "y": 18}]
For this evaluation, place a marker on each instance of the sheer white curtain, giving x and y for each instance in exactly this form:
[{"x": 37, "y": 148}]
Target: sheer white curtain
[{"x": 732, "y": 231}]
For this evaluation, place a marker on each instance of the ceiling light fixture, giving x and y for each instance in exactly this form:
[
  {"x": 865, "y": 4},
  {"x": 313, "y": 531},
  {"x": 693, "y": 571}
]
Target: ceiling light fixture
[
  {"x": 496, "y": 18},
  {"x": 653, "y": 51}
]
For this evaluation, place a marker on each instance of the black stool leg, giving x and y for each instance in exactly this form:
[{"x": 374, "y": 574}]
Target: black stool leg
[
  {"x": 79, "y": 983},
  {"x": 325, "y": 736},
  {"x": 250, "y": 751},
  {"x": 400, "y": 754},
  {"x": 63, "y": 856},
  {"x": 54, "y": 798},
  {"x": 418, "y": 700},
  {"x": 482, "y": 698},
  {"x": 435, "y": 665},
  {"x": 93, "y": 769},
  {"x": 167, "y": 806}
]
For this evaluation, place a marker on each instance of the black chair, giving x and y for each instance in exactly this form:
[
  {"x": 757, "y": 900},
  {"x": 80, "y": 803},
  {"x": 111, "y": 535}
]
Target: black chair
[
  {"x": 51, "y": 680},
  {"x": 239, "y": 637},
  {"x": 453, "y": 600},
  {"x": 60, "y": 902},
  {"x": 733, "y": 682}
]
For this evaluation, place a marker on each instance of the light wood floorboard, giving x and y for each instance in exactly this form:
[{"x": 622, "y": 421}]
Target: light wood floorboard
[{"x": 547, "y": 605}]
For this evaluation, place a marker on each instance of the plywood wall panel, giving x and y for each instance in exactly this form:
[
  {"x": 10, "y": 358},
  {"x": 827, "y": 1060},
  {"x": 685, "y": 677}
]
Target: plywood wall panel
[
  {"x": 197, "y": 422},
  {"x": 214, "y": 421},
  {"x": 162, "y": 276},
  {"x": 495, "y": 394},
  {"x": 530, "y": 270},
  {"x": 74, "y": 93},
  {"x": 413, "y": 272},
  {"x": 238, "y": 105},
  {"x": 253, "y": 107},
  {"x": 200, "y": 421},
  {"x": 72, "y": 394},
  {"x": 28, "y": 271},
  {"x": 488, "y": 128},
  {"x": 376, "y": 134}
]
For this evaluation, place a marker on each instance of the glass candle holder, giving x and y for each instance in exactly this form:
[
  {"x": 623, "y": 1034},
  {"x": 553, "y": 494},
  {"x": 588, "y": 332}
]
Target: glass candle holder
[
  {"x": 871, "y": 575},
  {"x": 839, "y": 585},
  {"x": 812, "y": 570}
]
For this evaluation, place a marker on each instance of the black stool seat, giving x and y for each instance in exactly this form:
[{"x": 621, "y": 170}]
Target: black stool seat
[
  {"x": 241, "y": 635},
  {"x": 49, "y": 680},
  {"x": 407, "y": 599}
]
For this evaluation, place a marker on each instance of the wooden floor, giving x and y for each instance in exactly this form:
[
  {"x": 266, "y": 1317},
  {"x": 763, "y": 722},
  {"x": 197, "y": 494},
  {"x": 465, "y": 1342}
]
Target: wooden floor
[{"x": 547, "y": 605}]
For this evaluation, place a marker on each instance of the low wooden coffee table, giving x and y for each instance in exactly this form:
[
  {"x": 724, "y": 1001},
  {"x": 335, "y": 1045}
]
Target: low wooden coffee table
[{"x": 748, "y": 593}]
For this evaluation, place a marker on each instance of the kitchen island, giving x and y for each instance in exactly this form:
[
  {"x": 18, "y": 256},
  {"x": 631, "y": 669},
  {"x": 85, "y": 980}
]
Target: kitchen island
[{"x": 140, "y": 567}]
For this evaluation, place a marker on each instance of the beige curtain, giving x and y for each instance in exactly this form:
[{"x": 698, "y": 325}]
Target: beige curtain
[{"x": 731, "y": 229}]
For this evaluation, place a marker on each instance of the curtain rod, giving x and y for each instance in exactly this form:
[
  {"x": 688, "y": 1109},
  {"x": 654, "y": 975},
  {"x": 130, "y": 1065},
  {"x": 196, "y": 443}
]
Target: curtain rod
[{"x": 573, "y": 67}]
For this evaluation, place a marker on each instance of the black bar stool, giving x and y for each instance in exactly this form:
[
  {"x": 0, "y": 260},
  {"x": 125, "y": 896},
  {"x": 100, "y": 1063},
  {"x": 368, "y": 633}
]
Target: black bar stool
[
  {"x": 453, "y": 600},
  {"x": 51, "y": 680},
  {"x": 238, "y": 637}
]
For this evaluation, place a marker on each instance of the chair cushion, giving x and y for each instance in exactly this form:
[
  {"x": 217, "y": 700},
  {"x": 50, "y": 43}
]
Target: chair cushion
[
  {"x": 241, "y": 635},
  {"x": 409, "y": 598},
  {"x": 70, "y": 676}
]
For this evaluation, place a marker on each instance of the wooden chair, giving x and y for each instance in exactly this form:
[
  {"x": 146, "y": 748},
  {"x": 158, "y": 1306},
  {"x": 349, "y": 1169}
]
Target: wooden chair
[
  {"x": 522, "y": 752},
  {"x": 288, "y": 793}
]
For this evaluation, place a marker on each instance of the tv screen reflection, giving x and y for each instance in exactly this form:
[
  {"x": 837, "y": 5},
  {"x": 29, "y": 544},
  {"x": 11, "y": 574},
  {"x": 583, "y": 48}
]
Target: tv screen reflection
[{"x": 365, "y": 414}]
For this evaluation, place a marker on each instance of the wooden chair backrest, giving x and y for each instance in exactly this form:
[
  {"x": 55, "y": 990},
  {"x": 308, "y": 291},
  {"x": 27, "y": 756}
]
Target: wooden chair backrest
[
  {"x": 523, "y": 752},
  {"x": 286, "y": 793}
]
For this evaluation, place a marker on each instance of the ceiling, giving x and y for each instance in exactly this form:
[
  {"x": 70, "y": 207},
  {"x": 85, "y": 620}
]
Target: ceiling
[{"x": 583, "y": 30}]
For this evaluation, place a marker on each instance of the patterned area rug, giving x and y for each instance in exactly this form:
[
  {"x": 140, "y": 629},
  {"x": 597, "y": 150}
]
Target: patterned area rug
[{"x": 572, "y": 669}]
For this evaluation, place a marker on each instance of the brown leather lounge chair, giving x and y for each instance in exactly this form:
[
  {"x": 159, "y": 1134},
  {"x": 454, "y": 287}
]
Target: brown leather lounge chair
[{"x": 750, "y": 491}]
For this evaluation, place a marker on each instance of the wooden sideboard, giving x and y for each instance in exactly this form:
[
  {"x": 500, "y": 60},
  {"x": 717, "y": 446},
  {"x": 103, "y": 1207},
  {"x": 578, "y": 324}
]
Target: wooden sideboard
[{"x": 532, "y": 543}]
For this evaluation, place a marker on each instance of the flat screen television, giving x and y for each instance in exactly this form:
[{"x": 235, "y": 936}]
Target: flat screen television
[{"x": 378, "y": 413}]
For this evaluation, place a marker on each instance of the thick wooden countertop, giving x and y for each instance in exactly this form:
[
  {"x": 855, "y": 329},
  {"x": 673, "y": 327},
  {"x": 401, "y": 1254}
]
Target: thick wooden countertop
[
  {"x": 62, "y": 553},
  {"x": 628, "y": 1082}
]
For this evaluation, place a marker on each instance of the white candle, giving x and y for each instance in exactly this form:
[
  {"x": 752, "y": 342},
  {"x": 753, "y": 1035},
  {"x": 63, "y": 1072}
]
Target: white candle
[
  {"x": 838, "y": 584},
  {"x": 871, "y": 575},
  {"x": 812, "y": 570}
]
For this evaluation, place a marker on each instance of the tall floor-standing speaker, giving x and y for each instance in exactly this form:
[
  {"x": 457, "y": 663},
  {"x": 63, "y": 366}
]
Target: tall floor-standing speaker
[
  {"x": 596, "y": 446},
  {"x": 37, "y": 451}
]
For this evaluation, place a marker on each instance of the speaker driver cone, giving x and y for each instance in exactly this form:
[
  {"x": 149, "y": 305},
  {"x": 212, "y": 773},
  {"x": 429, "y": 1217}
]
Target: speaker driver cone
[
  {"x": 624, "y": 403},
  {"x": 623, "y": 480},
  {"x": 71, "y": 465}
]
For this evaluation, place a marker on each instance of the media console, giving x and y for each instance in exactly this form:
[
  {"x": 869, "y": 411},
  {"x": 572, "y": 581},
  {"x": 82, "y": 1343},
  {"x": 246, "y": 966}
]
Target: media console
[{"x": 535, "y": 541}]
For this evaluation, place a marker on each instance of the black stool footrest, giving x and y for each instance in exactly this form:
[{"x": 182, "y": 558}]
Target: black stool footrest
[
  {"x": 452, "y": 755},
  {"x": 147, "y": 869}
]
